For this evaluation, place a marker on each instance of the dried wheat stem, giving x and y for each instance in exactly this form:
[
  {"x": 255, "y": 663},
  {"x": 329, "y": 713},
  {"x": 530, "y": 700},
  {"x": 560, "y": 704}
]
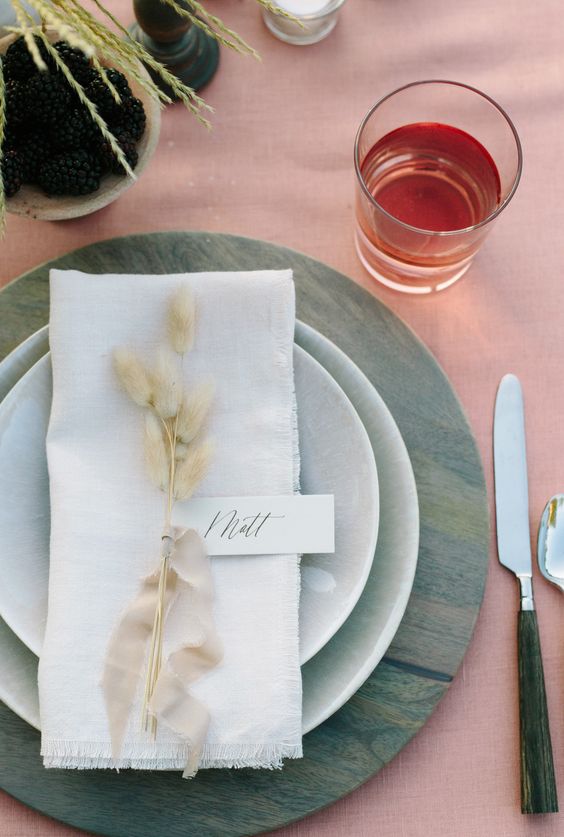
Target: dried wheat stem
[
  {"x": 118, "y": 50},
  {"x": 225, "y": 36},
  {"x": 90, "y": 106},
  {"x": 23, "y": 20},
  {"x": 110, "y": 46},
  {"x": 186, "y": 94},
  {"x": 52, "y": 17},
  {"x": 102, "y": 70},
  {"x": 270, "y": 6}
]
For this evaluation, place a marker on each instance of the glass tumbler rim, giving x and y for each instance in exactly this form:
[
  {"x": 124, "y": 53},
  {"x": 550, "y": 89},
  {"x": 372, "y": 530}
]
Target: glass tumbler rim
[
  {"x": 489, "y": 218},
  {"x": 330, "y": 7}
]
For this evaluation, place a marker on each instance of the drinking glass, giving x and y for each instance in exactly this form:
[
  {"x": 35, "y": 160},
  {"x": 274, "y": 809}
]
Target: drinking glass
[
  {"x": 317, "y": 19},
  {"x": 436, "y": 163}
]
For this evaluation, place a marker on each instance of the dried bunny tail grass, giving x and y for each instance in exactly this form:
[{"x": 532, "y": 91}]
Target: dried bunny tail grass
[
  {"x": 192, "y": 469},
  {"x": 156, "y": 452},
  {"x": 182, "y": 320},
  {"x": 180, "y": 451},
  {"x": 194, "y": 411},
  {"x": 134, "y": 378},
  {"x": 168, "y": 388},
  {"x": 2, "y": 129},
  {"x": 90, "y": 106}
]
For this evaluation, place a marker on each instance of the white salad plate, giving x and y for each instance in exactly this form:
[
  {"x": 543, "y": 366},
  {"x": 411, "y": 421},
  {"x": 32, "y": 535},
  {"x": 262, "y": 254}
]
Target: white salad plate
[
  {"x": 336, "y": 458},
  {"x": 342, "y": 665}
]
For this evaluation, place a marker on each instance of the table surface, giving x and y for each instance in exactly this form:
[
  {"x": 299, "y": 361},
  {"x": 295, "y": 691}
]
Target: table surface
[{"x": 278, "y": 166}]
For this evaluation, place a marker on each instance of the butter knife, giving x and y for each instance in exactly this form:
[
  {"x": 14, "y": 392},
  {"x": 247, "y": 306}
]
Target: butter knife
[{"x": 538, "y": 787}]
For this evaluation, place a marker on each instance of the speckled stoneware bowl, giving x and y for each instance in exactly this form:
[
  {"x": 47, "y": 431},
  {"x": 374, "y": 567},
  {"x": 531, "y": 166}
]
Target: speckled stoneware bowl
[{"x": 31, "y": 202}]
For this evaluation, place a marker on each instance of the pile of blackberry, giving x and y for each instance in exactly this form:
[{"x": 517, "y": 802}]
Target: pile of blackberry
[{"x": 50, "y": 139}]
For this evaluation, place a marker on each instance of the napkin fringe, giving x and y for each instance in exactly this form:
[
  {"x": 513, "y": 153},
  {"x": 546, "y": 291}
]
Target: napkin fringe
[{"x": 90, "y": 755}]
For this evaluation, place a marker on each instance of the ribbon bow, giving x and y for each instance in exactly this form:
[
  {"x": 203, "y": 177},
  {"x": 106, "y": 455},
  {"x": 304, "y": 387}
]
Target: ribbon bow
[{"x": 171, "y": 701}]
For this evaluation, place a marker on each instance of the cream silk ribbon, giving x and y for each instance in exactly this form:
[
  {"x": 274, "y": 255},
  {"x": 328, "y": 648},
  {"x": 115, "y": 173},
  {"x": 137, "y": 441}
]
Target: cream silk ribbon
[{"x": 171, "y": 702}]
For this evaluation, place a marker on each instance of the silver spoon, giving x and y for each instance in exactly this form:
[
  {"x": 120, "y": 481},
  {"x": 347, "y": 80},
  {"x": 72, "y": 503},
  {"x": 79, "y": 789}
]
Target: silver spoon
[{"x": 550, "y": 552}]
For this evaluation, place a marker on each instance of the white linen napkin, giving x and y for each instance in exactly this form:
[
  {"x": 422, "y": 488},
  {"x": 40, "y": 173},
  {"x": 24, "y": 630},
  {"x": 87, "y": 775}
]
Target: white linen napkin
[{"x": 107, "y": 517}]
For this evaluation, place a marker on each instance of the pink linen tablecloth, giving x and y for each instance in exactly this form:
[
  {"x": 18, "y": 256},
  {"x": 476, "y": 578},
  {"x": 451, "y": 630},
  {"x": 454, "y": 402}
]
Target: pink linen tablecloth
[{"x": 278, "y": 166}]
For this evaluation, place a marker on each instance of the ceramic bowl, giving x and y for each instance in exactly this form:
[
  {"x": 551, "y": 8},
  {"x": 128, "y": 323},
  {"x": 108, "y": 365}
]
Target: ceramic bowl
[{"x": 31, "y": 202}]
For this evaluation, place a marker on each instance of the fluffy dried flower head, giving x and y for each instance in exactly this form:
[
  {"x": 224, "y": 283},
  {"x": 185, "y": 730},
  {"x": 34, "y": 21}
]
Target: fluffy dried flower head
[
  {"x": 181, "y": 320},
  {"x": 168, "y": 388},
  {"x": 132, "y": 375},
  {"x": 193, "y": 412},
  {"x": 156, "y": 453},
  {"x": 180, "y": 451},
  {"x": 192, "y": 469}
]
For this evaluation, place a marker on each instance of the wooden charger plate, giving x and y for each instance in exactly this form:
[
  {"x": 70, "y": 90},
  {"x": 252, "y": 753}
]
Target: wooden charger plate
[{"x": 401, "y": 693}]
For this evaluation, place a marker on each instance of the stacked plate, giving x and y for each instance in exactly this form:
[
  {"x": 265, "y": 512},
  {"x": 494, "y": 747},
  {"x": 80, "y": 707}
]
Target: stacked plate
[{"x": 352, "y": 601}]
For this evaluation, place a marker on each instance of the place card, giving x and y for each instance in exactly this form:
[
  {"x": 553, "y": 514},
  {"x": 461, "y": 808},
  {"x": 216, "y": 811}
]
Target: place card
[{"x": 299, "y": 523}]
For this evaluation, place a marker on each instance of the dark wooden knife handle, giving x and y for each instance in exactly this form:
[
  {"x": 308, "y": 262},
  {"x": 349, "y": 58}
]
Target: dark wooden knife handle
[{"x": 538, "y": 786}]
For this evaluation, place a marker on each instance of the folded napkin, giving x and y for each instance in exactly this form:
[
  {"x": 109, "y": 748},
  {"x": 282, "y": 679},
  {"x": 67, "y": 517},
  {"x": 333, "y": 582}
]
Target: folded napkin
[{"x": 107, "y": 517}]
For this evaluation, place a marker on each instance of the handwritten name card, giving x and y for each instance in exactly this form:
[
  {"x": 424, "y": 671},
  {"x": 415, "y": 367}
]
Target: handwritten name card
[{"x": 301, "y": 523}]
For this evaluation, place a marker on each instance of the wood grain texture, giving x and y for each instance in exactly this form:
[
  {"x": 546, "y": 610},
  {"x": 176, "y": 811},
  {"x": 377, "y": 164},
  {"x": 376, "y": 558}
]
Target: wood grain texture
[
  {"x": 538, "y": 785},
  {"x": 401, "y": 693}
]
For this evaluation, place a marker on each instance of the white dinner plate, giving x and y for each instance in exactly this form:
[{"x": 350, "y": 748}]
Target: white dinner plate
[
  {"x": 340, "y": 668},
  {"x": 336, "y": 458},
  {"x": 21, "y": 359}
]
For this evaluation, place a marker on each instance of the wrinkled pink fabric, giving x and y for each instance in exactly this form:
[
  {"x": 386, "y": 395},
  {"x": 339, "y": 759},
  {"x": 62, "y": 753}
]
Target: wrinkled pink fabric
[{"x": 278, "y": 166}]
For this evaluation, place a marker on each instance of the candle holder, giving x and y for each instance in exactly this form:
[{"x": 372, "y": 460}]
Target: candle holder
[
  {"x": 184, "y": 49},
  {"x": 317, "y": 19}
]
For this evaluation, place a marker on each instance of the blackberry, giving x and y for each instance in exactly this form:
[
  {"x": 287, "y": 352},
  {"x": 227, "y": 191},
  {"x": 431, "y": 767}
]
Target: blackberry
[
  {"x": 77, "y": 62},
  {"x": 16, "y": 111},
  {"x": 100, "y": 94},
  {"x": 72, "y": 173},
  {"x": 34, "y": 151},
  {"x": 47, "y": 99},
  {"x": 77, "y": 130},
  {"x": 88, "y": 76},
  {"x": 108, "y": 160},
  {"x": 10, "y": 140},
  {"x": 11, "y": 171},
  {"x": 131, "y": 118},
  {"x": 18, "y": 62},
  {"x": 120, "y": 83}
]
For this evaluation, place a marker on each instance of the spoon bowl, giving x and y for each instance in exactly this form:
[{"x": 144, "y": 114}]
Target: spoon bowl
[{"x": 550, "y": 551}]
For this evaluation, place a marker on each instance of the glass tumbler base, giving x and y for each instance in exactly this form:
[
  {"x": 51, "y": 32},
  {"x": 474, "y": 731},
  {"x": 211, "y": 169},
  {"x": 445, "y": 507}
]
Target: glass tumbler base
[{"x": 403, "y": 277}]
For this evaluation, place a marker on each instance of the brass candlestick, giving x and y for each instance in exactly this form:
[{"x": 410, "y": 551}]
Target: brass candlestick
[{"x": 184, "y": 49}]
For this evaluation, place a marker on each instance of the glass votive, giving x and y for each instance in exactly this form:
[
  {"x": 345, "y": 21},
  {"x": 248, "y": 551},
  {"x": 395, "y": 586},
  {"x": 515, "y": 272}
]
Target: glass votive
[
  {"x": 318, "y": 19},
  {"x": 436, "y": 163}
]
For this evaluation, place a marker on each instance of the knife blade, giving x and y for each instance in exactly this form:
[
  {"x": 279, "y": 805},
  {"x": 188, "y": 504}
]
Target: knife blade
[
  {"x": 538, "y": 786},
  {"x": 511, "y": 484}
]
